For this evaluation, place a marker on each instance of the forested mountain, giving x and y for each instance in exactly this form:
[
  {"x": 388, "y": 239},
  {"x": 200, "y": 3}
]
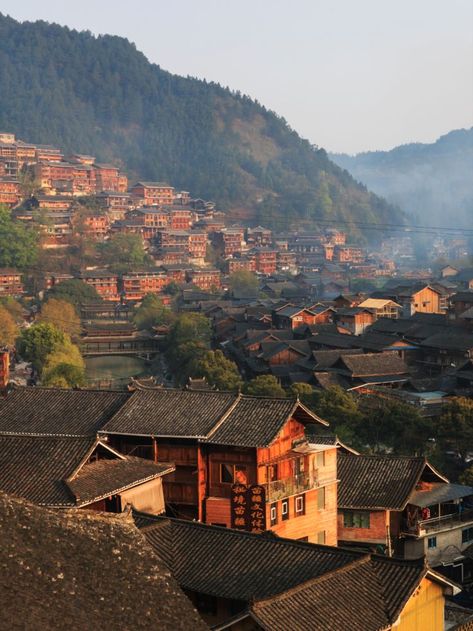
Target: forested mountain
[
  {"x": 432, "y": 182},
  {"x": 100, "y": 95}
]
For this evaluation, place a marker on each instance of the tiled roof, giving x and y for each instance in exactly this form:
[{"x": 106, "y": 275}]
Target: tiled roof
[
  {"x": 63, "y": 570},
  {"x": 327, "y": 358},
  {"x": 35, "y": 467},
  {"x": 169, "y": 412},
  {"x": 239, "y": 565},
  {"x": 373, "y": 364},
  {"x": 51, "y": 412},
  {"x": 450, "y": 340},
  {"x": 379, "y": 482},
  {"x": 367, "y": 595},
  {"x": 256, "y": 421},
  {"x": 103, "y": 478}
]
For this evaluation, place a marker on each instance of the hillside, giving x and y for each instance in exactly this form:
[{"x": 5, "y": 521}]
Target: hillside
[
  {"x": 100, "y": 95},
  {"x": 432, "y": 182}
]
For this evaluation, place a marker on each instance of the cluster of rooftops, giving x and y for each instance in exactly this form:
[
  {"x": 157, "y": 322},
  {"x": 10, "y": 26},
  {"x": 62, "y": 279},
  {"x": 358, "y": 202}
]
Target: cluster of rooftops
[{"x": 46, "y": 439}]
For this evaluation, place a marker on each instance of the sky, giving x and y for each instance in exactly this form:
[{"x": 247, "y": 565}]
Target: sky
[{"x": 348, "y": 75}]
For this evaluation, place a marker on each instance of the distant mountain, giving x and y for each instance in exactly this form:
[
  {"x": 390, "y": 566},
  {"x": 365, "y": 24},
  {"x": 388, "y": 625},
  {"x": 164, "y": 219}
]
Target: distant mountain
[
  {"x": 433, "y": 183},
  {"x": 100, "y": 95}
]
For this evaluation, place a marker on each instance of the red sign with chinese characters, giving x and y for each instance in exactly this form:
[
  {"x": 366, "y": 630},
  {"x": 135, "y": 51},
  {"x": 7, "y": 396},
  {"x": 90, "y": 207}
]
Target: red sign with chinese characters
[{"x": 248, "y": 511}]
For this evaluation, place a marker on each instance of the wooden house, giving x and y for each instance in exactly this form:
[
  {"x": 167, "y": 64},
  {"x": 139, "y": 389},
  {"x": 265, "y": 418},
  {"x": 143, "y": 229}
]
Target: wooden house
[
  {"x": 383, "y": 308},
  {"x": 355, "y": 319},
  {"x": 241, "y": 581},
  {"x": 51, "y": 456},
  {"x": 362, "y": 371},
  {"x": 10, "y": 282},
  {"x": 403, "y": 506},
  {"x": 291, "y": 317},
  {"x": 152, "y": 194},
  {"x": 103, "y": 281},
  {"x": 228, "y": 446},
  {"x": 9, "y": 191}
]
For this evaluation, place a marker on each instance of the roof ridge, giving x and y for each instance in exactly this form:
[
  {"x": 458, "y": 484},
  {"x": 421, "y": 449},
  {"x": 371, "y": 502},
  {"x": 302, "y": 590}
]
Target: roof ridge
[
  {"x": 365, "y": 560},
  {"x": 231, "y": 532}
]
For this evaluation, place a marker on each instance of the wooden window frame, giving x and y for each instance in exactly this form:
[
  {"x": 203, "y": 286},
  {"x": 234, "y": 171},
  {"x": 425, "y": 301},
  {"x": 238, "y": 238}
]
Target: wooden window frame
[
  {"x": 299, "y": 500},
  {"x": 273, "y": 514},
  {"x": 285, "y": 513}
]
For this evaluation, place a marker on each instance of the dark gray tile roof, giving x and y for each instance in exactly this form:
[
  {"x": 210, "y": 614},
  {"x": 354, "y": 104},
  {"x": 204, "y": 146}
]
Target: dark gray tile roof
[
  {"x": 103, "y": 478},
  {"x": 256, "y": 421},
  {"x": 367, "y": 595},
  {"x": 35, "y": 467},
  {"x": 379, "y": 482},
  {"x": 63, "y": 570},
  {"x": 373, "y": 364},
  {"x": 239, "y": 565},
  {"x": 169, "y": 412},
  {"x": 52, "y": 412}
]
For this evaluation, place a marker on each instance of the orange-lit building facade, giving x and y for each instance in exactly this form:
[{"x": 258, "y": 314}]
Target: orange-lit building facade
[
  {"x": 9, "y": 191},
  {"x": 152, "y": 193},
  {"x": 105, "y": 283},
  {"x": 136, "y": 285},
  {"x": 10, "y": 282}
]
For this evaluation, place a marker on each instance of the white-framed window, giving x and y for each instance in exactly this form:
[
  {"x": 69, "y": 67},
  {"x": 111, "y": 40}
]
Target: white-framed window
[
  {"x": 300, "y": 505},
  {"x": 285, "y": 509},
  {"x": 273, "y": 514}
]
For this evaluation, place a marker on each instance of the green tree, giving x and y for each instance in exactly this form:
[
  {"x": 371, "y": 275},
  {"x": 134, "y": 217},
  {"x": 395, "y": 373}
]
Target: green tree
[
  {"x": 189, "y": 327},
  {"x": 152, "y": 312},
  {"x": 39, "y": 341},
  {"x": 393, "y": 425},
  {"x": 13, "y": 307},
  {"x": 62, "y": 314},
  {"x": 265, "y": 386},
  {"x": 8, "y": 328},
  {"x": 455, "y": 427},
  {"x": 303, "y": 391},
  {"x": 74, "y": 291},
  {"x": 220, "y": 372},
  {"x": 124, "y": 251},
  {"x": 63, "y": 375},
  {"x": 244, "y": 284},
  {"x": 187, "y": 341},
  {"x": 19, "y": 243}
]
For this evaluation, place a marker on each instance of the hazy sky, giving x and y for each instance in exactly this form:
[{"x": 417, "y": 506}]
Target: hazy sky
[{"x": 349, "y": 75}]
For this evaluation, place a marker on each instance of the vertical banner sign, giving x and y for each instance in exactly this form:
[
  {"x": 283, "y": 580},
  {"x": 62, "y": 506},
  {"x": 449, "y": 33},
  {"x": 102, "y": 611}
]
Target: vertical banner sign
[
  {"x": 248, "y": 510},
  {"x": 239, "y": 508},
  {"x": 257, "y": 508}
]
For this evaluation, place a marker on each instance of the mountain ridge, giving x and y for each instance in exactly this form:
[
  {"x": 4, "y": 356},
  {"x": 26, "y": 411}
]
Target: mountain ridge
[
  {"x": 100, "y": 95},
  {"x": 431, "y": 181}
]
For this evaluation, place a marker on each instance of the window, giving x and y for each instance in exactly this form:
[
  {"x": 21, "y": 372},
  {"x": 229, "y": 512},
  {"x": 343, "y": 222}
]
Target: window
[
  {"x": 233, "y": 474},
  {"x": 273, "y": 512},
  {"x": 321, "y": 498},
  {"x": 356, "y": 519},
  {"x": 432, "y": 542},
  {"x": 285, "y": 509},
  {"x": 272, "y": 472},
  {"x": 299, "y": 505},
  {"x": 321, "y": 459},
  {"x": 467, "y": 535},
  {"x": 321, "y": 537}
]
